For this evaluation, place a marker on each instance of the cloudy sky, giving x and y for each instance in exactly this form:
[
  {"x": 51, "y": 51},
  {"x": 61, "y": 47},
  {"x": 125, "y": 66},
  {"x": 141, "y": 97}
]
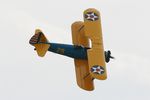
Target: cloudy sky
[{"x": 25, "y": 76}]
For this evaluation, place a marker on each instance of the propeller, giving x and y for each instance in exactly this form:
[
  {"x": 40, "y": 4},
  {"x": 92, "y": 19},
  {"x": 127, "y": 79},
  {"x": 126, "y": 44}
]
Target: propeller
[{"x": 108, "y": 56}]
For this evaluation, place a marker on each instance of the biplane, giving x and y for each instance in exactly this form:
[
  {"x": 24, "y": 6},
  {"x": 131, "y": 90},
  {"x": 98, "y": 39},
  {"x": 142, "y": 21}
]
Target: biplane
[{"x": 87, "y": 49}]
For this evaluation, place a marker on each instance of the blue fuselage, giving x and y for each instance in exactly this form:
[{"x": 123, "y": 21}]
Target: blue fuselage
[{"x": 77, "y": 52}]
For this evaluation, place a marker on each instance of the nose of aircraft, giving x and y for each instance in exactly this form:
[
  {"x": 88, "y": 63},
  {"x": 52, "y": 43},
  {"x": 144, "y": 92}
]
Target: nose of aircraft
[{"x": 108, "y": 56}]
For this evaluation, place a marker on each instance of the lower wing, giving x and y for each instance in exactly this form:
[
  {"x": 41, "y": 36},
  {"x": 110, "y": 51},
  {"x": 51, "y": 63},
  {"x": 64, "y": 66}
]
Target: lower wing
[{"x": 83, "y": 76}]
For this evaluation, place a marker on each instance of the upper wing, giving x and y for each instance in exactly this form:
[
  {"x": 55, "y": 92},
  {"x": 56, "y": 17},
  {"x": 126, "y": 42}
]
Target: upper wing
[
  {"x": 39, "y": 41},
  {"x": 83, "y": 76},
  {"x": 96, "y": 58}
]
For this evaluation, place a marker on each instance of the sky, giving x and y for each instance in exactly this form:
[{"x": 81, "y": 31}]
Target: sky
[{"x": 25, "y": 76}]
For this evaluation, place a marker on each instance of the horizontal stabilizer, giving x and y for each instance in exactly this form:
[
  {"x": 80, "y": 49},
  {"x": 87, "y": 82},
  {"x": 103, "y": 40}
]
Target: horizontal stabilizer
[{"x": 39, "y": 41}]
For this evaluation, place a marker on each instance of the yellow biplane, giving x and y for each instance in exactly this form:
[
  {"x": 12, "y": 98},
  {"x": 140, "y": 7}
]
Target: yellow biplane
[{"x": 87, "y": 49}]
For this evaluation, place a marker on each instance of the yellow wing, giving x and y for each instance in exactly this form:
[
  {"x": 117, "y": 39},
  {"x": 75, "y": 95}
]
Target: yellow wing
[
  {"x": 39, "y": 42},
  {"x": 96, "y": 58},
  {"x": 83, "y": 76}
]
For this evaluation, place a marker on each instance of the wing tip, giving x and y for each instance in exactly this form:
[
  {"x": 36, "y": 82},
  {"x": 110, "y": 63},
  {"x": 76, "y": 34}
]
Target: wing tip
[{"x": 91, "y": 10}]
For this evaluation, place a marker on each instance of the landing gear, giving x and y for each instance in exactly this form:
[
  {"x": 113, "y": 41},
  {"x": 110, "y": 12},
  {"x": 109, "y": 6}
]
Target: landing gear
[{"x": 108, "y": 56}]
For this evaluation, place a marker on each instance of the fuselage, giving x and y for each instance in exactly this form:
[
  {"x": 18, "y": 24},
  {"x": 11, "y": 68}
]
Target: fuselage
[{"x": 76, "y": 52}]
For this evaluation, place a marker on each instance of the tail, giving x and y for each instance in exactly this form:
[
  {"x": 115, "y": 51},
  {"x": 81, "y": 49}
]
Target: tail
[{"x": 40, "y": 42}]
